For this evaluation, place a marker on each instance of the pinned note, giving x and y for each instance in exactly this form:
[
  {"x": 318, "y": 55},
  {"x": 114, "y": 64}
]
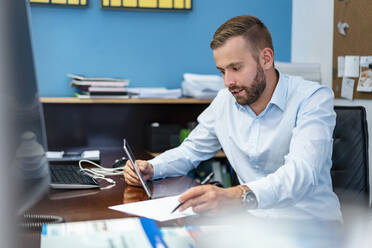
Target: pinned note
[
  {"x": 351, "y": 66},
  {"x": 347, "y": 88},
  {"x": 340, "y": 66}
]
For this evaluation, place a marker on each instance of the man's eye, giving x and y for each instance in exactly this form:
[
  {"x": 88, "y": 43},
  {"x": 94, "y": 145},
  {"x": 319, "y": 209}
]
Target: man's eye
[{"x": 236, "y": 68}]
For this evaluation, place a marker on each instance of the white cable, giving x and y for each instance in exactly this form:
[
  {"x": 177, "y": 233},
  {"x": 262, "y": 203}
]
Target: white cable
[{"x": 101, "y": 172}]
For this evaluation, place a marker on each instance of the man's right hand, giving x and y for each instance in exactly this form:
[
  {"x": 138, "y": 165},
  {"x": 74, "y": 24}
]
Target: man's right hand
[{"x": 146, "y": 169}]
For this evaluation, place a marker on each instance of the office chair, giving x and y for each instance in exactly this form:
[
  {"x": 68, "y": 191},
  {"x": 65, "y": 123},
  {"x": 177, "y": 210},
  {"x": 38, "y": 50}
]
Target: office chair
[{"x": 350, "y": 176}]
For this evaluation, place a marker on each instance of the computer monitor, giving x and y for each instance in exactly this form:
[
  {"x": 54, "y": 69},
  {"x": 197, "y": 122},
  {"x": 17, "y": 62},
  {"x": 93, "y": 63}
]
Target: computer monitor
[{"x": 24, "y": 166}]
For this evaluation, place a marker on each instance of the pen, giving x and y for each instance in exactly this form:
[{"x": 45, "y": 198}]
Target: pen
[{"x": 206, "y": 180}]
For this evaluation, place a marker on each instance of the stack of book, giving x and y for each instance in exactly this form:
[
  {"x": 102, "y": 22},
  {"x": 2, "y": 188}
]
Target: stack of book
[{"x": 99, "y": 87}]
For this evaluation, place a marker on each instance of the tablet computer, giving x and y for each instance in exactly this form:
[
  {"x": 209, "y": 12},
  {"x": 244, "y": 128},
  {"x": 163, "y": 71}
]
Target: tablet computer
[{"x": 131, "y": 158}]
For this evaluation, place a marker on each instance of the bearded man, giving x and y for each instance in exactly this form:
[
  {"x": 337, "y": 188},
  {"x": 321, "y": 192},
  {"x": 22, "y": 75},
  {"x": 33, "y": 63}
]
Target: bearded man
[{"x": 275, "y": 129}]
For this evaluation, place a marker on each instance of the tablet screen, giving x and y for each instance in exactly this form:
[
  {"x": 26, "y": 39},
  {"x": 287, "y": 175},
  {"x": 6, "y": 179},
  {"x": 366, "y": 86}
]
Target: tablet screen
[{"x": 131, "y": 158}]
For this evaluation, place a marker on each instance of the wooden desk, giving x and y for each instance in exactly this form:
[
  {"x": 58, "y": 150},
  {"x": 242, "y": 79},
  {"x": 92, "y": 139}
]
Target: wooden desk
[{"x": 82, "y": 205}]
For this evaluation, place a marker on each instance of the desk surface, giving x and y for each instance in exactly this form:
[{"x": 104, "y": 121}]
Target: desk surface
[{"x": 81, "y": 205}]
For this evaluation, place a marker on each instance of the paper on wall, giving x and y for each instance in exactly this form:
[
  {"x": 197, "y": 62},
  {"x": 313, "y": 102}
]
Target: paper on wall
[
  {"x": 340, "y": 66},
  {"x": 347, "y": 88},
  {"x": 351, "y": 66},
  {"x": 365, "y": 79}
]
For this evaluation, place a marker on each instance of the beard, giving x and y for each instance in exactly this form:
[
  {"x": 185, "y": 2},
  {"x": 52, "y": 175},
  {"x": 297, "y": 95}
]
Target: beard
[{"x": 255, "y": 90}]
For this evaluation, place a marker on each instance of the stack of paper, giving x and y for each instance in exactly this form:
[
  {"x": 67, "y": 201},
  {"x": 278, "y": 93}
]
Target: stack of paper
[
  {"x": 201, "y": 86},
  {"x": 309, "y": 71},
  {"x": 159, "y": 92},
  {"x": 99, "y": 87}
]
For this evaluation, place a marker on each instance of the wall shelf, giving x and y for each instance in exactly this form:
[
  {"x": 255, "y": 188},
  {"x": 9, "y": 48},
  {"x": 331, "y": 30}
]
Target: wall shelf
[{"x": 74, "y": 100}]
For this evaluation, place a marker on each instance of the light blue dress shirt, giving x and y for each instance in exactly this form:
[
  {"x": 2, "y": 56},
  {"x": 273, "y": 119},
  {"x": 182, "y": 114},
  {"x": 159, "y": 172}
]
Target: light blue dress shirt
[{"x": 283, "y": 155}]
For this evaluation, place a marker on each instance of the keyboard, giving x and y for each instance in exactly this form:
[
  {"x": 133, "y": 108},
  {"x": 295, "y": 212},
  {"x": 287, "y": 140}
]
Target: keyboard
[{"x": 70, "y": 177}]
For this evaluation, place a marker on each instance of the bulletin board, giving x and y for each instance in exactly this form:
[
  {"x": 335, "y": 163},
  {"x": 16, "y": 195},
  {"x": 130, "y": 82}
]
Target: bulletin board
[{"x": 357, "y": 41}]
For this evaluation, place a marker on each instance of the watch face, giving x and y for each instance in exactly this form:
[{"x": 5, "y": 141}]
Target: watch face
[{"x": 249, "y": 200}]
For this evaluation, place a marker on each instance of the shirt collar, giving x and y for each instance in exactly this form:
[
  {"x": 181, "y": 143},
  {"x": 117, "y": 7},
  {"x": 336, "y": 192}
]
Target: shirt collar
[{"x": 279, "y": 97}]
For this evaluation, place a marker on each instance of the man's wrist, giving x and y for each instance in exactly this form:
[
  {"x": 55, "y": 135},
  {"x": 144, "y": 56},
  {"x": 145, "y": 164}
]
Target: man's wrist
[
  {"x": 248, "y": 198},
  {"x": 152, "y": 170}
]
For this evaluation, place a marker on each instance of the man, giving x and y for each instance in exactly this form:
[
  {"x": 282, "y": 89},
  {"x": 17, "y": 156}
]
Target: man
[{"x": 275, "y": 129}]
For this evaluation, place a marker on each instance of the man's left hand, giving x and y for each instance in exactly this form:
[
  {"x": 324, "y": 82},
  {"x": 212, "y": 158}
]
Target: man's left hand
[{"x": 210, "y": 198}]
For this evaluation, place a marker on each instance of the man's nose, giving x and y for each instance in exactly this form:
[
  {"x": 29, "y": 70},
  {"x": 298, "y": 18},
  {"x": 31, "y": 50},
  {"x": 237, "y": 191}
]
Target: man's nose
[{"x": 229, "y": 80}]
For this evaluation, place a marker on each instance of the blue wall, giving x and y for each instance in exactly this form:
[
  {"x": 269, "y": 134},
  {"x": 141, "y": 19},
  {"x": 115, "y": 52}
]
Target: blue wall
[{"x": 149, "y": 48}]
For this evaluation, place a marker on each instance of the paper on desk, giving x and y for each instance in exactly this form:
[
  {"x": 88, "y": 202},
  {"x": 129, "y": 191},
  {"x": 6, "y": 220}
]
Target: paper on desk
[{"x": 157, "y": 209}]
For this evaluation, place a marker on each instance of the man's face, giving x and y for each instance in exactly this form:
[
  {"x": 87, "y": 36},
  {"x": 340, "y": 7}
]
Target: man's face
[{"x": 243, "y": 75}]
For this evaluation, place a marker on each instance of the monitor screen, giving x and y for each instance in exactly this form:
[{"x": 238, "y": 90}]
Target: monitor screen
[{"x": 23, "y": 140}]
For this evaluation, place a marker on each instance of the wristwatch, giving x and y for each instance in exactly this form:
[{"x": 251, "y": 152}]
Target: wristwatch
[{"x": 248, "y": 198}]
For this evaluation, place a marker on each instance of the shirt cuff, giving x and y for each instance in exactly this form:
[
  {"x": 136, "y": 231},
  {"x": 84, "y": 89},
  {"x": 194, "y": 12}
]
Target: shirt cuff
[
  {"x": 159, "y": 171},
  {"x": 263, "y": 191}
]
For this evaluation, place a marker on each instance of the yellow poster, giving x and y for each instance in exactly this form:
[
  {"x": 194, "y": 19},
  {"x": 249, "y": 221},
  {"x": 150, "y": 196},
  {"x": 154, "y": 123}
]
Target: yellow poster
[
  {"x": 73, "y": 2},
  {"x": 130, "y": 3},
  {"x": 59, "y": 1},
  {"x": 115, "y": 3},
  {"x": 39, "y": 1},
  {"x": 166, "y": 4},
  {"x": 144, "y": 4},
  {"x": 62, "y": 2},
  {"x": 148, "y": 3},
  {"x": 179, "y": 4}
]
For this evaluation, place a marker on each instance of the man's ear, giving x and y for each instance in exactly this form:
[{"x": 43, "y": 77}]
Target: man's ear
[{"x": 267, "y": 58}]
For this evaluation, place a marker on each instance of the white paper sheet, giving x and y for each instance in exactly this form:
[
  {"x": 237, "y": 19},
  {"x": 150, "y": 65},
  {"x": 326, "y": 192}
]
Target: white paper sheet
[
  {"x": 351, "y": 66},
  {"x": 159, "y": 92},
  {"x": 347, "y": 89},
  {"x": 157, "y": 209},
  {"x": 340, "y": 66}
]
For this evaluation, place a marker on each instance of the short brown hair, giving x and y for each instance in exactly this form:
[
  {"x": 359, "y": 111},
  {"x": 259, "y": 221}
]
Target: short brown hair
[{"x": 250, "y": 27}]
